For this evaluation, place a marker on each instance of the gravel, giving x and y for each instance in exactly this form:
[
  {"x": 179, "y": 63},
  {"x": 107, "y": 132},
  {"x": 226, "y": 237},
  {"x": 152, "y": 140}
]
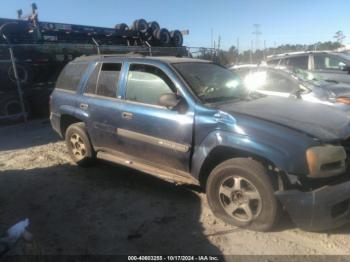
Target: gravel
[{"x": 108, "y": 209}]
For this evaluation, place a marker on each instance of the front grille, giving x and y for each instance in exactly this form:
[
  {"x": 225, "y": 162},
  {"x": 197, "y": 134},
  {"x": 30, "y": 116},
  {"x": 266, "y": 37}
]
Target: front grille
[{"x": 314, "y": 183}]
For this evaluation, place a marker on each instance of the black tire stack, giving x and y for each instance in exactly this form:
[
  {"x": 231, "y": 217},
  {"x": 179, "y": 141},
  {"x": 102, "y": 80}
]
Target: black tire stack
[{"x": 152, "y": 33}]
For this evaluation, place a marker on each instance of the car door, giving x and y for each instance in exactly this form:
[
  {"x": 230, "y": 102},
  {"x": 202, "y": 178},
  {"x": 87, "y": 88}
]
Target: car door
[
  {"x": 102, "y": 105},
  {"x": 148, "y": 131},
  {"x": 330, "y": 67}
]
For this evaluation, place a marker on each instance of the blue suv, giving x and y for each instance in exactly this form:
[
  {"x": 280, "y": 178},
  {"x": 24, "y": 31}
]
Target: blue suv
[{"x": 192, "y": 121}]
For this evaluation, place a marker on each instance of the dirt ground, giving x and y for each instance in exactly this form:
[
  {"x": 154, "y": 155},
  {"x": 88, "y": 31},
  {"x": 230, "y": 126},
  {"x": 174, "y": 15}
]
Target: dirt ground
[{"x": 115, "y": 210}]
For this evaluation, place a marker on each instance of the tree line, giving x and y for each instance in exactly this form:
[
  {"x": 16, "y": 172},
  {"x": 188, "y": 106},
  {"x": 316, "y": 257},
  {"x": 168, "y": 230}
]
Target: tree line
[{"x": 232, "y": 56}]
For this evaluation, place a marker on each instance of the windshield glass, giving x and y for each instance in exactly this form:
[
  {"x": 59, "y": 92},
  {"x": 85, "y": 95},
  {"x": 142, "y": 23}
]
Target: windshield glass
[
  {"x": 212, "y": 83},
  {"x": 310, "y": 78}
]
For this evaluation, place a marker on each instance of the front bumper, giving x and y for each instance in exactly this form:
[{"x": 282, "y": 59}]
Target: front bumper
[{"x": 322, "y": 209}]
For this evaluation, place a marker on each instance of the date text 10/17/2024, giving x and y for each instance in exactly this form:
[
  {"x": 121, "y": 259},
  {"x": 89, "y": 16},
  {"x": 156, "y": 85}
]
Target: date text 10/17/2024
[{"x": 174, "y": 258}]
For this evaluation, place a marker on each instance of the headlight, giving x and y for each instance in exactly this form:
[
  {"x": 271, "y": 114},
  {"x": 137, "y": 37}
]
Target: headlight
[
  {"x": 326, "y": 161},
  {"x": 343, "y": 100}
]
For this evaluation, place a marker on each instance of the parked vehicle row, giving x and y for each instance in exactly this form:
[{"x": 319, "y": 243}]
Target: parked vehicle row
[
  {"x": 284, "y": 82},
  {"x": 193, "y": 121},
  {"x": 334, "y": 66}
]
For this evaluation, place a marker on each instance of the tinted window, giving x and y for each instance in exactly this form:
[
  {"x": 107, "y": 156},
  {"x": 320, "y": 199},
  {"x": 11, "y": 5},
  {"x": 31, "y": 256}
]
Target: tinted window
[
  {"x": 108, "y": 80},
  {"x": 299, "y": 62},
  {"x": 92, "y": 82},
  {"x": 329, "y": 62},
  {"x": 71, "y": 75},
  {"x": 146, "y": 84}
]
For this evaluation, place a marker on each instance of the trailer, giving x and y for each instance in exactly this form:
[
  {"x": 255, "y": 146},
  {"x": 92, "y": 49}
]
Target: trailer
[{"x": 42, "y": 49}]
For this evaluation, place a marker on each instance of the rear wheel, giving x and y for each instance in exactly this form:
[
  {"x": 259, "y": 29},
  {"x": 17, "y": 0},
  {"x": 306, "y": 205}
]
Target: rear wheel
[
  {"x": 79, "y": 146},
  {"x": 240, "y": 192}
]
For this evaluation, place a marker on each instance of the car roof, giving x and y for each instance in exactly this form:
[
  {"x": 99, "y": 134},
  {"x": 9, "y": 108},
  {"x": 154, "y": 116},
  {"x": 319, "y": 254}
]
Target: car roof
[
  {"x": 284, "y": 55},
  {"x": 164, "y": 59}
]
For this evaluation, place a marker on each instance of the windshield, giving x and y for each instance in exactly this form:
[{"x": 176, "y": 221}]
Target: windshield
[
  {"x": 310, "y": 78},
  {"x": 211, "y": 83}
]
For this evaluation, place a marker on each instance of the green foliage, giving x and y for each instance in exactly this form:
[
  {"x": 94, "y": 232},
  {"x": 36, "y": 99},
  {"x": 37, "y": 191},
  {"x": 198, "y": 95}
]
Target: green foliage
[{"x": 339, "y": 36}]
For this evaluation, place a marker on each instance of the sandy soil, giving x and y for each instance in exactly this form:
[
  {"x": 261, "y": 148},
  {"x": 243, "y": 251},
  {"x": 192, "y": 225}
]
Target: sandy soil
[{"x": 115, "y": 210}]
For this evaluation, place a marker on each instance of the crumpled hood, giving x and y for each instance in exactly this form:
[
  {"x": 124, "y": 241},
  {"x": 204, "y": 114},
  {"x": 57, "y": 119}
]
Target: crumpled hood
[{"x": 323, "y": 122}]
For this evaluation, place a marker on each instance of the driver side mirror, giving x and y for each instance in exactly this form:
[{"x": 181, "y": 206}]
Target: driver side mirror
[{"x": 169, "y": 100}]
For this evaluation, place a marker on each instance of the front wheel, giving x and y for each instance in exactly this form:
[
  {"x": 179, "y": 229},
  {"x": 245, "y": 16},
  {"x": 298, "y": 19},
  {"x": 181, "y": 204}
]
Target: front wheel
[{"x": 240, "y": 192}]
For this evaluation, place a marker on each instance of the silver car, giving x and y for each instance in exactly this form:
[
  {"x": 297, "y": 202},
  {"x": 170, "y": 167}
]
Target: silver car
[{"x": 300, "y": 84}]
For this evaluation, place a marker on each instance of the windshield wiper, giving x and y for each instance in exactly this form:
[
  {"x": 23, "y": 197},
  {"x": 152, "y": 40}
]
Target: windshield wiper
[
  {"x": 222, "y": 99},
  {"x": 331, "y": 81}
]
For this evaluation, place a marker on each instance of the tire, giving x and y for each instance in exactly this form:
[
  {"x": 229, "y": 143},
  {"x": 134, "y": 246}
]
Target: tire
[
  {"x": 122, "y": 27},
  {"x": 25, "y": 75},
  {"x": 153, "y": 26},
  {"x": 238, "y": 185},
  {"x": 176, "y": 38},
  {"x": 11, "y": 109},
  {"x": 162, "y": 36},
  {"x": 79, "y": 145},
  {"x": 140, "y": 26}
]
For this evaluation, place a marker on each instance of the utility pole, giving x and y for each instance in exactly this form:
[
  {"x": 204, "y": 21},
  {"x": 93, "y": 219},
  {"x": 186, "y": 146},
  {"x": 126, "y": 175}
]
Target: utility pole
[
  {"x": 212, "y": 38},
  {"x": 251, "y": 52},
  {"x": 237, "y": 60},
  {"x": 257, "y": 32},
  {"x": 219, "y": 42}
]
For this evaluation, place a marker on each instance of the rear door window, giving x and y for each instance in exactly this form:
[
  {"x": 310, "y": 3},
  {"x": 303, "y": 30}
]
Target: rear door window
[
  {"x": 71, "y": 76},
  {"x": 108, "y": 80}
]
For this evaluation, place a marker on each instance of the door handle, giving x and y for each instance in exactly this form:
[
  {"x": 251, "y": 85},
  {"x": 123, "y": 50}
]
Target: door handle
[
  {"x": 127, "y": 115},
  {"x": 84, "y": 106}
]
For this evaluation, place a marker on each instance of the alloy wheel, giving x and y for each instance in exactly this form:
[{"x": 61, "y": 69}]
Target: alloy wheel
[{"x": 240, "y": 198}]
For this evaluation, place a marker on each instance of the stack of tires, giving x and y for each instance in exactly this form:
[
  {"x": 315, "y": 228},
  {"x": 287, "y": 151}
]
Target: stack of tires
[{"x": 153, "y": 33}]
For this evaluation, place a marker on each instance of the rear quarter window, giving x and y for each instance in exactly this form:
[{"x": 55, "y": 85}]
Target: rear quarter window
[{"x": 71, "y": 75}]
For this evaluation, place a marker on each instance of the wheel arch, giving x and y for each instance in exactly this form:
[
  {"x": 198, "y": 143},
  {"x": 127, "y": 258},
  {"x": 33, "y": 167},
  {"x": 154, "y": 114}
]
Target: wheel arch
[
  {"x": 214, "y": 151},
  {"x": 66, "y": 121}
]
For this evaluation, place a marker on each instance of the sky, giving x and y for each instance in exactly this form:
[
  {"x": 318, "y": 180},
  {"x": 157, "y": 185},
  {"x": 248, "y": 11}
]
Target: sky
[{"x": 281, "y": 21}]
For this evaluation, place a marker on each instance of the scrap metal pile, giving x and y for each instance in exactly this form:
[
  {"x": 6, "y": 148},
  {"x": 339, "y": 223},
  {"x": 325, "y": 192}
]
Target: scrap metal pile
[
  {"x": 42, "y": 49},
  {"x": 141, "y": 33}
]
